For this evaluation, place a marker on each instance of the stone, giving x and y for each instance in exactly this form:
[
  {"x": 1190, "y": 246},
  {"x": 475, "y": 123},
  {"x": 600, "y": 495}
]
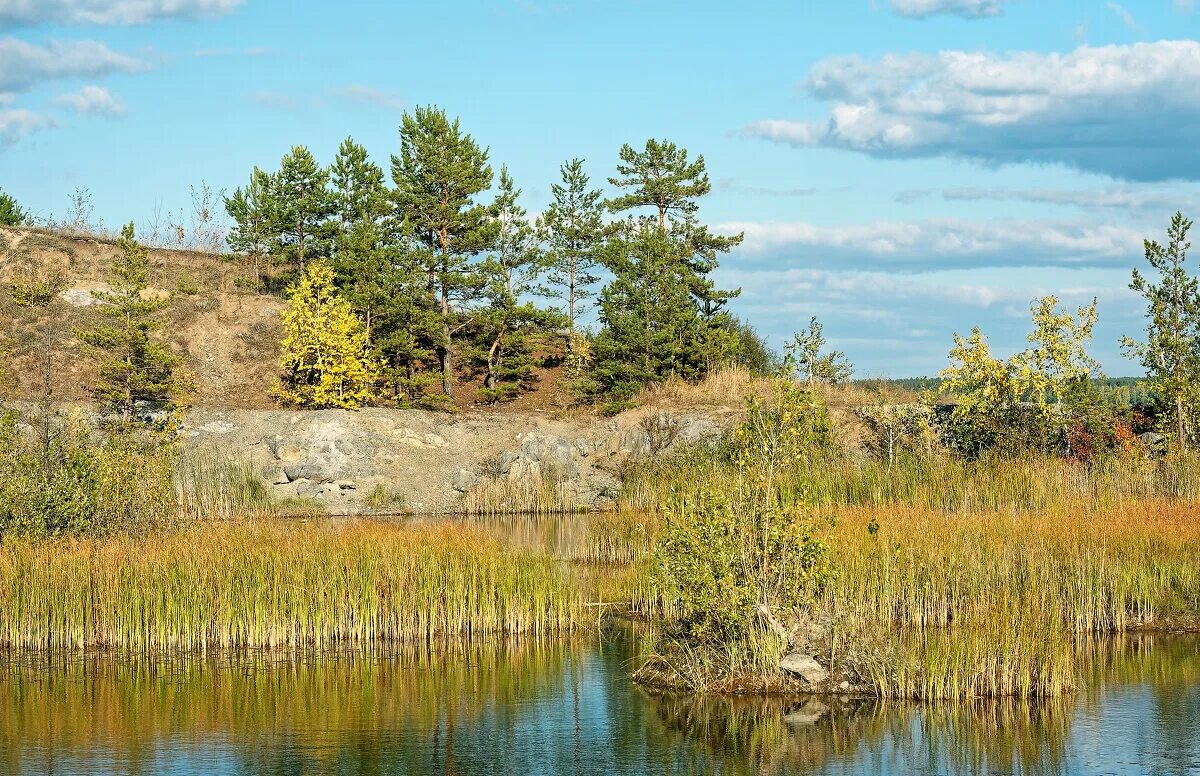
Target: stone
[
  {"x": 313, "y": 472},
  {"x": 463, "y": 480},
  {"x": 804, "y": 666},
  {"x": 346, "y": 484},
  {"x": 808, "y": 714},
  {"x": 844, "y": 686},
  {"x": 507, "y": 459},
  {"x": 216, "y": 427}
]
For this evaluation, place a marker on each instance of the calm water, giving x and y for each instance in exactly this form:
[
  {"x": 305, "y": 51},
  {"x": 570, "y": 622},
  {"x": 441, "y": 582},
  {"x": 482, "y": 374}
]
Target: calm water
[{"x": 563, "y": 708}]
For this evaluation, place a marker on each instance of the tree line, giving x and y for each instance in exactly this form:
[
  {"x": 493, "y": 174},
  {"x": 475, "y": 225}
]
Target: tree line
[{"x": 446, "y": 272}]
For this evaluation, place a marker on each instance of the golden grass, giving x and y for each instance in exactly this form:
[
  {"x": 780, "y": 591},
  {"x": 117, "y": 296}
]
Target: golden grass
[
  {"x": 928, "y": 604},
  {"x": 276, "y": 584}
]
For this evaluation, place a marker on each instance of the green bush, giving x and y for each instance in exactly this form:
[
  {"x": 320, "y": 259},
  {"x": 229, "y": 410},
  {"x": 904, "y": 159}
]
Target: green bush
[{"x": 59, "y": 477}]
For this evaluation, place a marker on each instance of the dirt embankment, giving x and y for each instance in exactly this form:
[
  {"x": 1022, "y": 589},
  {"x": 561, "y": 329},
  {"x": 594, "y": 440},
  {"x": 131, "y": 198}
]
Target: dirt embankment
[{"x": 228, "y": 337}]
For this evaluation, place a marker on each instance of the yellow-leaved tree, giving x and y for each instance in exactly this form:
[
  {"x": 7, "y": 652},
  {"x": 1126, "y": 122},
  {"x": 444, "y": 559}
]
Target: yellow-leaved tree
[{"x": 326, "y": 361}]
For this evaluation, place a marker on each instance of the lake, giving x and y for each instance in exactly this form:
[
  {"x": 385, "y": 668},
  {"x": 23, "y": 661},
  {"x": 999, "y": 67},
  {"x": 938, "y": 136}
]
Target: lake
[{"x": 564, "y": 707}]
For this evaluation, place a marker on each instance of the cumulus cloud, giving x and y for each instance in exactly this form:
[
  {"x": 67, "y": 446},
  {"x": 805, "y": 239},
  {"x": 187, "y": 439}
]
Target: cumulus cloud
[
  {"x": 15, "y": 123},
  {"x": 29, "y": 12},
  {"x": 23, "y": 65},
  {"x": 1125, "y": 111},
  {"x": 93, "y": 101},
  {"x": 942, "y": 242},
  {"x": 967, "y": 9},
  {"x": 899, "y": 323}
]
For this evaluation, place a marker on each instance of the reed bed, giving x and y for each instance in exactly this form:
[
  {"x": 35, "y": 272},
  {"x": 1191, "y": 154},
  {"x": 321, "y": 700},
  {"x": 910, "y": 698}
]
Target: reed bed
[
  {"x": 533, "y": 496},
  {"x": 275, "y": 585},
  {"x": 211, "y": 485},
  {"x": 935, "y": 481},
  {"x": 930, "y": 604}
]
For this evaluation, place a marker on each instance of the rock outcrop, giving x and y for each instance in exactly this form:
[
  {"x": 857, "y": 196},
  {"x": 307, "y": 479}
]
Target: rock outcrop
[{"x": 338, "y": 459}]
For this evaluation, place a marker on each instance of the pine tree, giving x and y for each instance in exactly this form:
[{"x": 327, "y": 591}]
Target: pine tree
[
  {"x": 438, "y": 175},
  {"x": 133, "y": 367},
  {"x": 650, "y": 325},
  {"x": 509, "y": 328},
  {"x": 253, "y": 212},
  {"x": 363, "y": 254},
  {"x": 302, "y": 206},
  {"x": 359, "y": 193},
  {"x": 326, "y": 360},
  {"x": 661, "y": 177},
  {"x": 11, "y": 213},
  {"x": 573, "y": 230},
  {"x": 1171, "y": 352}
]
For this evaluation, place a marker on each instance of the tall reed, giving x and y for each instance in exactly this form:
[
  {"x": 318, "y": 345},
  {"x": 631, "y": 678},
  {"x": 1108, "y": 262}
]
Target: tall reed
[{"x": 302, "y": 584}]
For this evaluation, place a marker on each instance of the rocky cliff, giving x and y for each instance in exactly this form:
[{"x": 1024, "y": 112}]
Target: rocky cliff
[{"x": 408, "y": 460}]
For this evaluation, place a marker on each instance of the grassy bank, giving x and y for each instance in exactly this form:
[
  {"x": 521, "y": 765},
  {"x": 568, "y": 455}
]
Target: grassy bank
[
  {"x": 934, "y": 480},
  {"x": 928, "y": 604},
  {"x": 275, "y": 584}
]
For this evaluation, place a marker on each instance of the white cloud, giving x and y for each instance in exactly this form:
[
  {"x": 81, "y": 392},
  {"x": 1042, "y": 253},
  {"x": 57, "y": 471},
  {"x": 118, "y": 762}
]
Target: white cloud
[
  {"x": 28, "y": 12},
  {"x": 1184, "y": 6},
  {"x": 15, "y": 123},
  {"x": 942, "y": 243},
  {"x": 967, "y": 9},
  {"x": 1126, "y": 17},
  {"x": 1141, "y": 200},
  {"x": 1125, "y": 111},
  {"x": 369, "y": 96},
  {"x": 23, "y": 65},
  {"x": 93, "y": 101}
]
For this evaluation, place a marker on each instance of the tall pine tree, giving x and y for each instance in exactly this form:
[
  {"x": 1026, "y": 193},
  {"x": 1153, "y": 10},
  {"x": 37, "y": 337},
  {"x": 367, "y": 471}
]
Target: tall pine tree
[
  {"x": 661, "y": 177},
  {"x": 573, "y": 230},
  {"x": 302, "y": 206},
  {"x": 651, "y": 327},
  {"x": 439, "y": 174},
  {"x": 363, "y": 253},
  {"x": 510, "y": 327}
]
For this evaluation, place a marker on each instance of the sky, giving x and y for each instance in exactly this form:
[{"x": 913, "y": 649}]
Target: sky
[{"x": 902, "y": 169}]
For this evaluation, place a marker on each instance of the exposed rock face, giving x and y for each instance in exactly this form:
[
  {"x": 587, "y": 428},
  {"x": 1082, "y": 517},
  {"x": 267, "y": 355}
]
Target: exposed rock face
[
  {"x": 338, "y": 458},
  {"x": 804, "y": 666}
]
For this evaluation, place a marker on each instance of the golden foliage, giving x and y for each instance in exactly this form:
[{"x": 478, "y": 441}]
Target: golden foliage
[{"x": 326, "y": 361}]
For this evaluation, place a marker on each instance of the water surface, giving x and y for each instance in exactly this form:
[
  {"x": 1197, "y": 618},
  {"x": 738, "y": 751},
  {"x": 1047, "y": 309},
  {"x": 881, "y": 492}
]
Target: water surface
[{"x": 563, "y": 707}]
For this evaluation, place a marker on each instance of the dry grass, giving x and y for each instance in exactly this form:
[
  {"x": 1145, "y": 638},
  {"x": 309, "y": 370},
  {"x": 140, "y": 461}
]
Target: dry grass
[
  {"x": 928, "y": 604},
  {"x": 300, "y": 584}
]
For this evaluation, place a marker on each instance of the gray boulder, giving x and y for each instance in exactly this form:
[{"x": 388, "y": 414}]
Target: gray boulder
[
  {"x": 463, "y": 480},
  {"x": 804, "y": 666}
]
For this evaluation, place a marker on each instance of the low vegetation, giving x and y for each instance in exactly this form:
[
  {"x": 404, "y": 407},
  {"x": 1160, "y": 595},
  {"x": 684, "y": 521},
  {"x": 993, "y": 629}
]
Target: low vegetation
[{"x": 276, "y": 585}]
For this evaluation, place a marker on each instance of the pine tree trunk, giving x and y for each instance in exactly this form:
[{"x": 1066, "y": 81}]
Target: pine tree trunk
[
  {"x": 447, "y": 360},
  {"x": 1181, "y": 426}
]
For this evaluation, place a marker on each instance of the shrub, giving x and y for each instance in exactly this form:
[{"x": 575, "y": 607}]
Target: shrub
[
  {"x": 734, "y": 556},
  {"x": 59, "y": 477}
]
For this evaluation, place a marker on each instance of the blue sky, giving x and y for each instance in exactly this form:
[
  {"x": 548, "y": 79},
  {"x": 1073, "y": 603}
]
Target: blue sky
[{"x": 903, "y": 169}]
